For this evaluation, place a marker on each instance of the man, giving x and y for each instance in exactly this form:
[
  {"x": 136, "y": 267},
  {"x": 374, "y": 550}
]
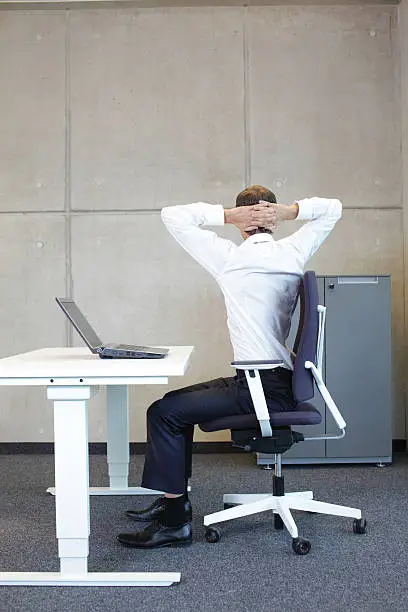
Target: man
[{"x": 259, "y": 280}]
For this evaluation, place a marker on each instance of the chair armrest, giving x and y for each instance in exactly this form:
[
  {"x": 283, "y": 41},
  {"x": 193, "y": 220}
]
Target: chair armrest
[
  {"x": 260, "y": 364},
  {"x": 320, "y": 339},
  {"x": 341, "y": 423}
]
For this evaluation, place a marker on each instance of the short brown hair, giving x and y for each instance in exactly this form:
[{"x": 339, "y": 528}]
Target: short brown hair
[{"x": 251, "y": 196}]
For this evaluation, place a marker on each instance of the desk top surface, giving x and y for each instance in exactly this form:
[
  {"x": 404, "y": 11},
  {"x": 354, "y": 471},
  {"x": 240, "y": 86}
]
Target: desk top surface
[{"x": 80, "y": 362}]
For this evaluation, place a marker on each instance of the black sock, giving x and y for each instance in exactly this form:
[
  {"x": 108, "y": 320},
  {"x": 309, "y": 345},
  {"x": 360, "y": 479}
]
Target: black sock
[{"x": 175, "y": 513}]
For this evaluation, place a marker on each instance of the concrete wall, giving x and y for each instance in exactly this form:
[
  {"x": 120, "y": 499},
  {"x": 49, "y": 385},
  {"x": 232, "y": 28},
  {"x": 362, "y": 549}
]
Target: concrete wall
[{"x": 107, "y": 115}]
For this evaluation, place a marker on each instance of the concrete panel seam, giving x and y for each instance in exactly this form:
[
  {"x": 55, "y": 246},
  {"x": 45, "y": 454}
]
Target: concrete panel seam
[
  {"x": 133, "y": 211},
  {"x": 402, "y": 88},
  {"x": 116, "y": 211},
  {"x": 246, "y": 100},
  {"x": 60, "y": 5},
  {"x": 68, "y": 233},
  {"x": 154, "y": 211}
]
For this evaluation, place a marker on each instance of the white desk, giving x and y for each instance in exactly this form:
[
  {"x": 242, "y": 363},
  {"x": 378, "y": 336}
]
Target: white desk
[{"x": 72, "y": 376}]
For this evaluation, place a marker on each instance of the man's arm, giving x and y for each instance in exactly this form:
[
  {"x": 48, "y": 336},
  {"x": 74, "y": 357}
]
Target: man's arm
[
  {"x": 322, "y": 214},
  {"x": 185, "y": 224}
]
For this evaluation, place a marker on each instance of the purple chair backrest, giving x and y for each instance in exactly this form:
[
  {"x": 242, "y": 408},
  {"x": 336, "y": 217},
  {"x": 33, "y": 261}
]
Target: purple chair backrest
[{"x": 306, "y": 338}]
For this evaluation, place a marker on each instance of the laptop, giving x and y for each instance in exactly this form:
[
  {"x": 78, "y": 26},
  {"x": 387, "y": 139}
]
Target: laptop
[{"x": 105, "y": 351}]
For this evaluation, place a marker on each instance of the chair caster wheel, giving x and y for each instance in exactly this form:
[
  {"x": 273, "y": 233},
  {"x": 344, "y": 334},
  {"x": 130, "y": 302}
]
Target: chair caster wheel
[
  {"x": 212, "y": 535},
  {"x": 301, "y": 546},
  {"x": 360, "y": 525},
  {"x": 277, "y": 521}
]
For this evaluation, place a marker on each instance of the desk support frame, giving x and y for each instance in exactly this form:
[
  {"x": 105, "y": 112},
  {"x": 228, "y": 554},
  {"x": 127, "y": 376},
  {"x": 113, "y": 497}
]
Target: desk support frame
[
  {"x": 72, "y": 498},
  {"x": 118, "y": 437}
]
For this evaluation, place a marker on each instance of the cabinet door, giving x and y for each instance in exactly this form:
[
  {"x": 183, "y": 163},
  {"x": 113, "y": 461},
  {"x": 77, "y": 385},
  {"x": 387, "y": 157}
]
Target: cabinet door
[
  {"x": 315, "y": 448},
  {"x": 358, "y": 364}
]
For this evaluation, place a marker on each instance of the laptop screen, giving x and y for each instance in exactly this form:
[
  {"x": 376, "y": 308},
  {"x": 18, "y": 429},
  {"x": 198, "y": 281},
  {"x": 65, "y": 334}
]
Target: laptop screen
[{"x": 80, "y": 323}]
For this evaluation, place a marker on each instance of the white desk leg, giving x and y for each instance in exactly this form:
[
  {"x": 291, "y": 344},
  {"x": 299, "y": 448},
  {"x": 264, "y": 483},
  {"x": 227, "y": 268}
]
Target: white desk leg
[
  {"x": 118, "y": 445},
  {"x": 72, "y": 504},
  {"x": 71, "y": 476},
  {"x": 118, "y": 435}
]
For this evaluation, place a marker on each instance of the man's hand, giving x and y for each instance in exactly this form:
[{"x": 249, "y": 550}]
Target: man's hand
[
  {"x": 283, "y": 212},
  {"x": 248, "y": 218}
]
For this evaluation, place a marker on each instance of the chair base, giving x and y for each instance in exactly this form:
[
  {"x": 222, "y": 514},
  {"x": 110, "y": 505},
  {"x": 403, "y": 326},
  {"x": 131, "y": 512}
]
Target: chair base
[{"x": 282, "y": 505}]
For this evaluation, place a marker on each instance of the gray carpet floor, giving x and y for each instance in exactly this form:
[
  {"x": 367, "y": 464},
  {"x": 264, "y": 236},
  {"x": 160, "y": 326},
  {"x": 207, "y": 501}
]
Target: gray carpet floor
[{"x": 252, "y": 568}]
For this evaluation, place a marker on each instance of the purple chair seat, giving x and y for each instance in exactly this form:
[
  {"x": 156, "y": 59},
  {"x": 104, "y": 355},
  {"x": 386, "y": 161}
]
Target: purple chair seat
[{"x": 305, "y": 414}]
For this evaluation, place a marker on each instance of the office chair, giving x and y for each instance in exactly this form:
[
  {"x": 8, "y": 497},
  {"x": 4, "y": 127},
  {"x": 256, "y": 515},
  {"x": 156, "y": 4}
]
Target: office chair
[{"x": 272, "y": 433}]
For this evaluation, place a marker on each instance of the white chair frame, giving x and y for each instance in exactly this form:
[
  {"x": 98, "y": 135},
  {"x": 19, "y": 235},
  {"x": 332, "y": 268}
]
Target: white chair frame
[{"x": 248, "y": 504}]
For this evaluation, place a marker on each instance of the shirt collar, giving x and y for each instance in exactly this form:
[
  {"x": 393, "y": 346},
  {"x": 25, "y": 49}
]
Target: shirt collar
[{"x": 261, "y": 237}]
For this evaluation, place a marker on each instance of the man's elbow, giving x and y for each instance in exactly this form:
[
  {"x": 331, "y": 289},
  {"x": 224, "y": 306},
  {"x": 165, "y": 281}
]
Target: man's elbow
[
  {"x": 164, "y": 214},
  {"x": 167, "y": 215},
  {"x": 174, "y": 219},
  {"x": 337, "y": 208}
]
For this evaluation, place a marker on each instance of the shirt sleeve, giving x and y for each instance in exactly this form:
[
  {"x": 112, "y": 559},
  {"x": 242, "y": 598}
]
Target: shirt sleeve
[
  {"x": 185, "y": 223},
  {"x": 322, "y": 215}
]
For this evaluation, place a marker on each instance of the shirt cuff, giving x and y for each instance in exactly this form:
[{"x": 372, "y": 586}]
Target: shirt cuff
[
  {"x": 213, "y": 214},
  {"x": 306, "y": 209}
]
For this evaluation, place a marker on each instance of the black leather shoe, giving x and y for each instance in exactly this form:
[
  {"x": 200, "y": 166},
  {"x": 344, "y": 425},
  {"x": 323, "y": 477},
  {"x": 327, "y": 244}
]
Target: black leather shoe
[
  {"x": 156, "y": 511},
  {"x": 158, "y": 535}
]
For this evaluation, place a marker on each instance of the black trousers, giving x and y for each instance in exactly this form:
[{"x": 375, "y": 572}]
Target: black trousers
[{"x": 171, "y": 420}]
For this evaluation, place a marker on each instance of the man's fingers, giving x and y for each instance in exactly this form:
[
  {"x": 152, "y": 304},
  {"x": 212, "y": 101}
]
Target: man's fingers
[
  {"x": 263, "y": 210},
  {"x": 264, "y": 218},
  {"x": 268, "y": 213},
  {"x": 262, "y": 205},
  {"x": 259, "y": 215}
]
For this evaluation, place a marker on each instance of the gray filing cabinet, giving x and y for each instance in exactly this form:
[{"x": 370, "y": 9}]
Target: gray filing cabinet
[{"x": 357, "y": 370}]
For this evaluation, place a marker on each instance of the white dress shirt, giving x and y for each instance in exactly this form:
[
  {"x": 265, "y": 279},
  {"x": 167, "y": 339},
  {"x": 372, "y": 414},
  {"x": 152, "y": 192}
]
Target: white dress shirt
[{"x": 260, "y": 277}]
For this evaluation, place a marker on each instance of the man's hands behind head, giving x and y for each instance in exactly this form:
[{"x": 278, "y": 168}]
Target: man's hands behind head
[
  {"x": 282, "y": 211},
  {"x": 249, "y": 218}
]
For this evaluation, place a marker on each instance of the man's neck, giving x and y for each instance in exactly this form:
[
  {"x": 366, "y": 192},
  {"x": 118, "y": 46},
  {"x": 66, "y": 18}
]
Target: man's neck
[{"x": 259, "y": 230}]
